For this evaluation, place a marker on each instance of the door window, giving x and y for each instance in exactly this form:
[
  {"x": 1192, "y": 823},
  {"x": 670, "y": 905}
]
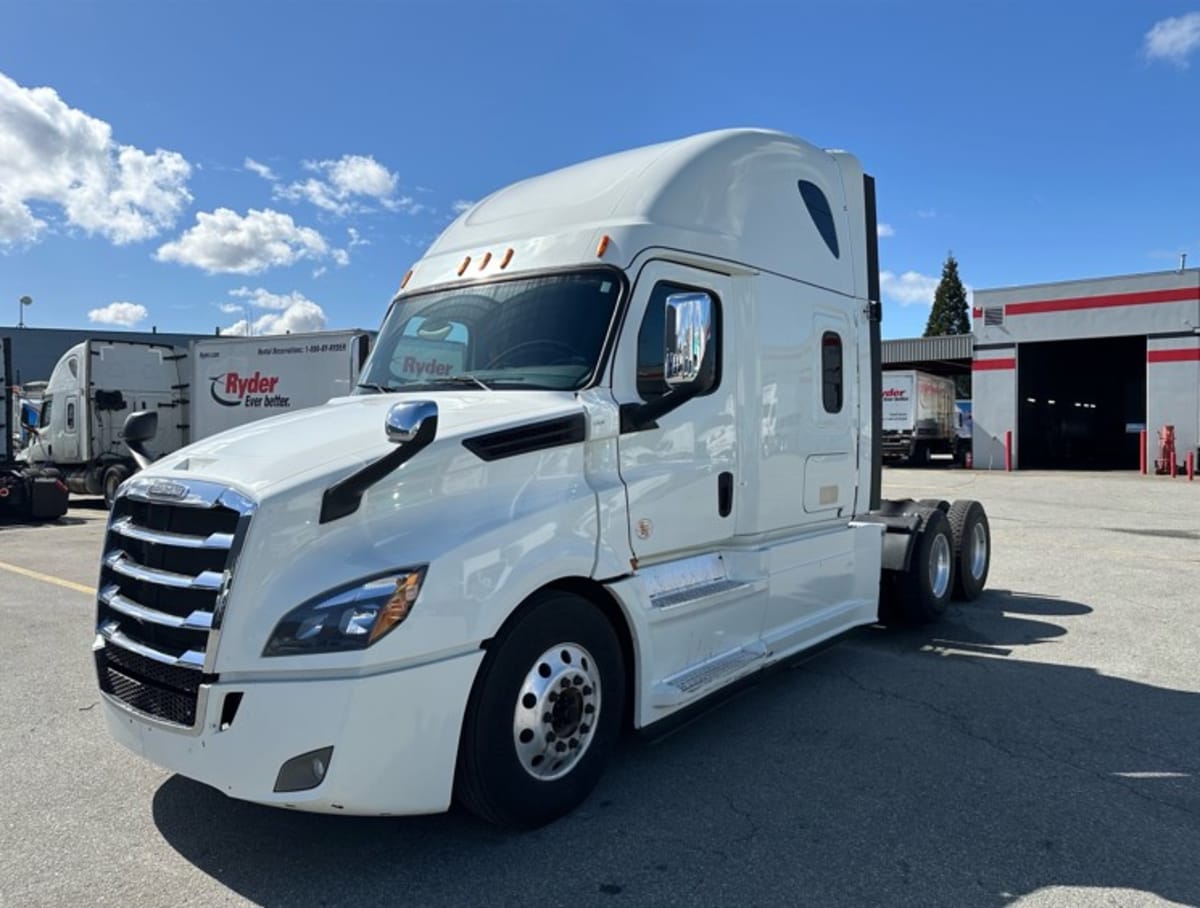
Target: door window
[{"x": 70, "y": 416}]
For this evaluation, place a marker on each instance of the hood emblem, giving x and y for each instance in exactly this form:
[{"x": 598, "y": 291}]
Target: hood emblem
[{"x": 162, "y": 488}]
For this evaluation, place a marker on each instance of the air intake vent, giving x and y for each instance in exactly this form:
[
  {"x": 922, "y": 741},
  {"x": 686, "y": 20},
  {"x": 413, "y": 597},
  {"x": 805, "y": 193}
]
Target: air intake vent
[
  {"x": 993, "y": 316},
  {"x": 552, "y": 433}
]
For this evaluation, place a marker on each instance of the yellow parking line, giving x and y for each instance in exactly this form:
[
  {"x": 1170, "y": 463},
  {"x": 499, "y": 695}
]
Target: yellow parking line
[{"x": 46, "y": 578}]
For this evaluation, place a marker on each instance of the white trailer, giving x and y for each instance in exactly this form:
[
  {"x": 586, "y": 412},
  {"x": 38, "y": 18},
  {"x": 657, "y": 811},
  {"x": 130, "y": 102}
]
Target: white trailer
[
  {"x": 616, "y": 448},
  {"x": 919, "y": 416},
  {"x": 215, "y": 384}
]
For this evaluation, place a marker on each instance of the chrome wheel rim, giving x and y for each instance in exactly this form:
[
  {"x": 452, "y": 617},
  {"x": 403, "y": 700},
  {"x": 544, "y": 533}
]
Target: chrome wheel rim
[
  {"x": 939, "y": 566},
  {"x": 557, "y": 708},
  {"x": 979, "y": 550}
]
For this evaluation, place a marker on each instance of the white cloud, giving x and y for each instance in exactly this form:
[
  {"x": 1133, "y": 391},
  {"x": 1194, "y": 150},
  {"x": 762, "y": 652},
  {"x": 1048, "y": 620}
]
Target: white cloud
[
  {"x": 1173, "y": 40},
  {"x": 345, "y": 185},
  {"x": 883, "y": 230},
  {"x": 319, "y": 272},
  {"x": 124, "y": 314},
  {"x": 908, "y": 289},
  {"x": 293, "y": 313},
  {"x": 261, "y": 169},
  {"x": 356, "y": 239},
  {"x": 460, "y": 206},
  {"x": 341, "y": 257},
  {"x": 224, "y": 241},
  {"x": 913, "y": 288},
  {"x": 926, "y": 213},
  {"x": 56, "y": 155}
]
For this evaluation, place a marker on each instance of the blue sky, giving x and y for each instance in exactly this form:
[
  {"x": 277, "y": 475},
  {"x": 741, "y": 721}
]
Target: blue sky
[{"x": 190, "y": 165}]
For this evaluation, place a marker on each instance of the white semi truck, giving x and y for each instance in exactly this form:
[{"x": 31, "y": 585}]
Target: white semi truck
[
  {"x": 920, "y": 416},
  {"x": 213, "y": 385},
  {"x": 26, "y": 492},
  {"x": 556, "y": 506}
]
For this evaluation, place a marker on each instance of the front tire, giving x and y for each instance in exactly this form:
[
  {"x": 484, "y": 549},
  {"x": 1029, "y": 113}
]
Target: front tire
[
  {"x": 544, "y": 715},
  {"x": 113, "y": 477}
]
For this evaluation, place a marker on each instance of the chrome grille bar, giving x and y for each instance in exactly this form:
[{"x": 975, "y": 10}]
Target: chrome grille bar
[
  {"x": 120, "y": 562},
  {"x": 197, "y": 620},
  {"x": 126, "y": 527},
  {"x": 112, "y": 634}
]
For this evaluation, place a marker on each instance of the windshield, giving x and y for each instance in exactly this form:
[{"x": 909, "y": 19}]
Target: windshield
[{"x": 536, "y": 333}]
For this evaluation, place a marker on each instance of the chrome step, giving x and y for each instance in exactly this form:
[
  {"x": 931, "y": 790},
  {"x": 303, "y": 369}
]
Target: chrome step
[
  {"x": 705, "y": 675},
  {"x": 724, "y": 589}
]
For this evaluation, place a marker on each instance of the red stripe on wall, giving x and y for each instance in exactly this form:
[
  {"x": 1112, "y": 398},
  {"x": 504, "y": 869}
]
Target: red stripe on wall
[
  {"x": 1173, "y": 356},
  {"x": 976, "y": 312},
  {"x": 1137, "y": 298},
  {"x": 984, "y": 365}
]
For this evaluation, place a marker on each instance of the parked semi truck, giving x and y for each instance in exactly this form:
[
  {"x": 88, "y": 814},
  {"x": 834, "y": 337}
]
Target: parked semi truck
[
  {"x": 555, "y": 506},
  {"x": 920, "y": 416},
  {"x": 26, "y": 492},
  {"x": 212, "y": 385}
]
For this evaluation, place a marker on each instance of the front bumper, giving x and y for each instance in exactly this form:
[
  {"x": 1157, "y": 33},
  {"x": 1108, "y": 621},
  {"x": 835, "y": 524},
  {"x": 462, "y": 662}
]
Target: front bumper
[{"x": 395, "y": 738}]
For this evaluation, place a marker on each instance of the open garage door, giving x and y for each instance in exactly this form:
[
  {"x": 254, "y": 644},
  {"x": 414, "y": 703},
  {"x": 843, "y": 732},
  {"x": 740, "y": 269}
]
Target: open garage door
[{"x": 1081, "y": 404}]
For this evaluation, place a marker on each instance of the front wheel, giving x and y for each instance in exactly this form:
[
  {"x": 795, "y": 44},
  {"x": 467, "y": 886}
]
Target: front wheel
[
  {"x": 113, "y": 477},
  {"x": 545, "y": 714}
]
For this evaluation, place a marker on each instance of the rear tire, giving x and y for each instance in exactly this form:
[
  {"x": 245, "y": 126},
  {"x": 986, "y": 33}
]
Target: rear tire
[
  {"x": 113, "y": 477},
  {"x": 924, "y": 589},
  {"x": 544, "y": 715},
  {"x": 972, "y": 548}
]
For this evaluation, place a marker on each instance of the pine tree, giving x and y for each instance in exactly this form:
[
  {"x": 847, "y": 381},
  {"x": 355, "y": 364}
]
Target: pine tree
[{"x": 949, "y": 314}]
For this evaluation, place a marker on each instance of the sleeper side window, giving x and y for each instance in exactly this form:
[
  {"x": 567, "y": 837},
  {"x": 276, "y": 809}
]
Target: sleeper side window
[{"x": 831, "y": 371}]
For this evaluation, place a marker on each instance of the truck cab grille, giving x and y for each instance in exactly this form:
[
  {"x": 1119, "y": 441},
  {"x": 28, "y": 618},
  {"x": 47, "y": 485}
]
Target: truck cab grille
[{"x": 167, "y": 566}]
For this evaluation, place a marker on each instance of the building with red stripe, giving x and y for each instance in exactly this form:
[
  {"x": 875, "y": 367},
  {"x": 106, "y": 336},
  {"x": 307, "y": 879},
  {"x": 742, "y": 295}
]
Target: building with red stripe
[{"x": 1076, "y": 370}]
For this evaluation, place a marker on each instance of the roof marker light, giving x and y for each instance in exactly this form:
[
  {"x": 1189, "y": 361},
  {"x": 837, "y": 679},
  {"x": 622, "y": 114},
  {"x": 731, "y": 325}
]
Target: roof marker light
[
  {"x": 407, "y": 277},
  {"x": 508, "y": 254},
  {"x": 600, "y": 250},
  {"x": 463, "y": 266},
  {"x": 483, "y": 263}
]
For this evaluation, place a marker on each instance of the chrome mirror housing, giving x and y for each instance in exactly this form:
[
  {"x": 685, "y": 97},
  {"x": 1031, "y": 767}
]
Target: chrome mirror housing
[
  {"x": 404, "y": 420},
  {"x": 687, "y": 336}
]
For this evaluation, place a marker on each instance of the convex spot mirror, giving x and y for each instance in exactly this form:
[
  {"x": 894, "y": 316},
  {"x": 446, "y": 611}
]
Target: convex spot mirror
[
  {"x": 404, "y": 421},
  {"x": 688, "y": 335}
]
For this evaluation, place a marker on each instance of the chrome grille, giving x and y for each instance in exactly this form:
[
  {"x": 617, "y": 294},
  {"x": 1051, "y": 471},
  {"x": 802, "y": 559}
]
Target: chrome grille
[{"x": 167, "y": 566}]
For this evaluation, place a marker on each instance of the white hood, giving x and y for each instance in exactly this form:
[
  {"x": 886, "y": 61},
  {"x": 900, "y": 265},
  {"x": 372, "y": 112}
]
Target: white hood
[{"x": 266, "y": 456}]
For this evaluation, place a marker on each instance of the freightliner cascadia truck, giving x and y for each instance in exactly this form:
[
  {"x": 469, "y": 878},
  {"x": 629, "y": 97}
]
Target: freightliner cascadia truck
[{"x": 556, "y": 506}]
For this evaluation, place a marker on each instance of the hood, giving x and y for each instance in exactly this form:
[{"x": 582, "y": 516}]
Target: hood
[{"x": 270, "y": 455}]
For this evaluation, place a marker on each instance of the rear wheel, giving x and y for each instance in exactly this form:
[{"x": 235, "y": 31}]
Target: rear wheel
[
  {"x": 923, "y": 591},
  {"x": 972, "y": 548},
  {"x": 113, "y": 477},
  {"x": 544, "y": 714}
]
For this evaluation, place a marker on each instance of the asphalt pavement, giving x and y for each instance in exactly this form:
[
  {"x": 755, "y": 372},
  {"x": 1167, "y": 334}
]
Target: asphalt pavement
[{"x": 1040, "y": 746}]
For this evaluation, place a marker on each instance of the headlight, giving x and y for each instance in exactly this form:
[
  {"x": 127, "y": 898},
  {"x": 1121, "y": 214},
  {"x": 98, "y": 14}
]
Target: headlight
[{"x": 348, "y": 618}]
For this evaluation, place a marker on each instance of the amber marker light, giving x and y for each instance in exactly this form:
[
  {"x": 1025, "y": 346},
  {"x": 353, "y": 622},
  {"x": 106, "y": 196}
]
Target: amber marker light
[
  {"x": 483, "y": 262},
  {"x": 463, "y": 267},
  {"x": 407, "y": 278},
  {"x": 398, "y": 606},
  {"x": 508, "y": 254},
  {"x": 603, "y": 247}
]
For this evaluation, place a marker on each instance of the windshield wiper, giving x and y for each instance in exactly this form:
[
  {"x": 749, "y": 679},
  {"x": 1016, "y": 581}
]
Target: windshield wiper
[
  {"x": 466, "y": 378},
  {"x": 378, "y": 389}
]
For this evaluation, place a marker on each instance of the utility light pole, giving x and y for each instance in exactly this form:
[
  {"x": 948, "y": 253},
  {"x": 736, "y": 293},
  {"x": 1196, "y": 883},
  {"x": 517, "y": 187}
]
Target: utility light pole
[{"x": 24, "y": 301}]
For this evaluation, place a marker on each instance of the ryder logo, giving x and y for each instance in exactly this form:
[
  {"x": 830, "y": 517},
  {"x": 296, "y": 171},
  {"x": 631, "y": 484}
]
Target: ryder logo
[
  {"x": 257, "y": 390},
  {"x": 895, "y": 394}
]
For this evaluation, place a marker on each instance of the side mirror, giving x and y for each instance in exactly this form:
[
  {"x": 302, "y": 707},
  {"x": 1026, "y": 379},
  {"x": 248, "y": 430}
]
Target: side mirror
[
  {"x": 404, "y": 421},
  {"x": 28, "y": 422},
  {"x": 140, "y": 427},
  {"x": 687, "y": 337}
]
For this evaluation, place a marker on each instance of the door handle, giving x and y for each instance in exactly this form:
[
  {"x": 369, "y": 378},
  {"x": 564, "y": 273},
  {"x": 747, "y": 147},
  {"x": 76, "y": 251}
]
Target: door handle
[{"x": 725, "y": 494}]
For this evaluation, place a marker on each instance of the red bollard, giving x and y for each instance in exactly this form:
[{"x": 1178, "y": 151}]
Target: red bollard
[
  {"x": 1008, "y": 451},
  {"x": 1191, "y": 465},
  {"x": 1142, "y": 450}
]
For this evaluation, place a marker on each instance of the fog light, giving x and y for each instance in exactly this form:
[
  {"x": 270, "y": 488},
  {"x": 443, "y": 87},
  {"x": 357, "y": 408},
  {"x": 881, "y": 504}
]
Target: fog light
[{"x": 305, "y": 771}]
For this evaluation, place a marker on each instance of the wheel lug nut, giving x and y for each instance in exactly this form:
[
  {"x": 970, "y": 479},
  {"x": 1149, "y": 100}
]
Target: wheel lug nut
[
  {"x": 551, "y": 737},
  {"x": 553, "y": 696},
  {"x": 565, "y": 682},
  {"x": 578, "y": 681},
  {"x": 584, "y": 728},
  {"x": 589, "y": 708},
  {"x": 560, "y": 747},
  {"x": 574, "y": 743},
  {"x": 547, "y": 717},
  {"x": 587, "y": 691}
]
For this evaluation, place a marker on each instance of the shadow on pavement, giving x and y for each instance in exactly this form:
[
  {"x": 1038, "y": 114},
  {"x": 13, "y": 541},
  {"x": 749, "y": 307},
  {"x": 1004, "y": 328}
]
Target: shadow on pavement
[{"x": 914, "y": 767}]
